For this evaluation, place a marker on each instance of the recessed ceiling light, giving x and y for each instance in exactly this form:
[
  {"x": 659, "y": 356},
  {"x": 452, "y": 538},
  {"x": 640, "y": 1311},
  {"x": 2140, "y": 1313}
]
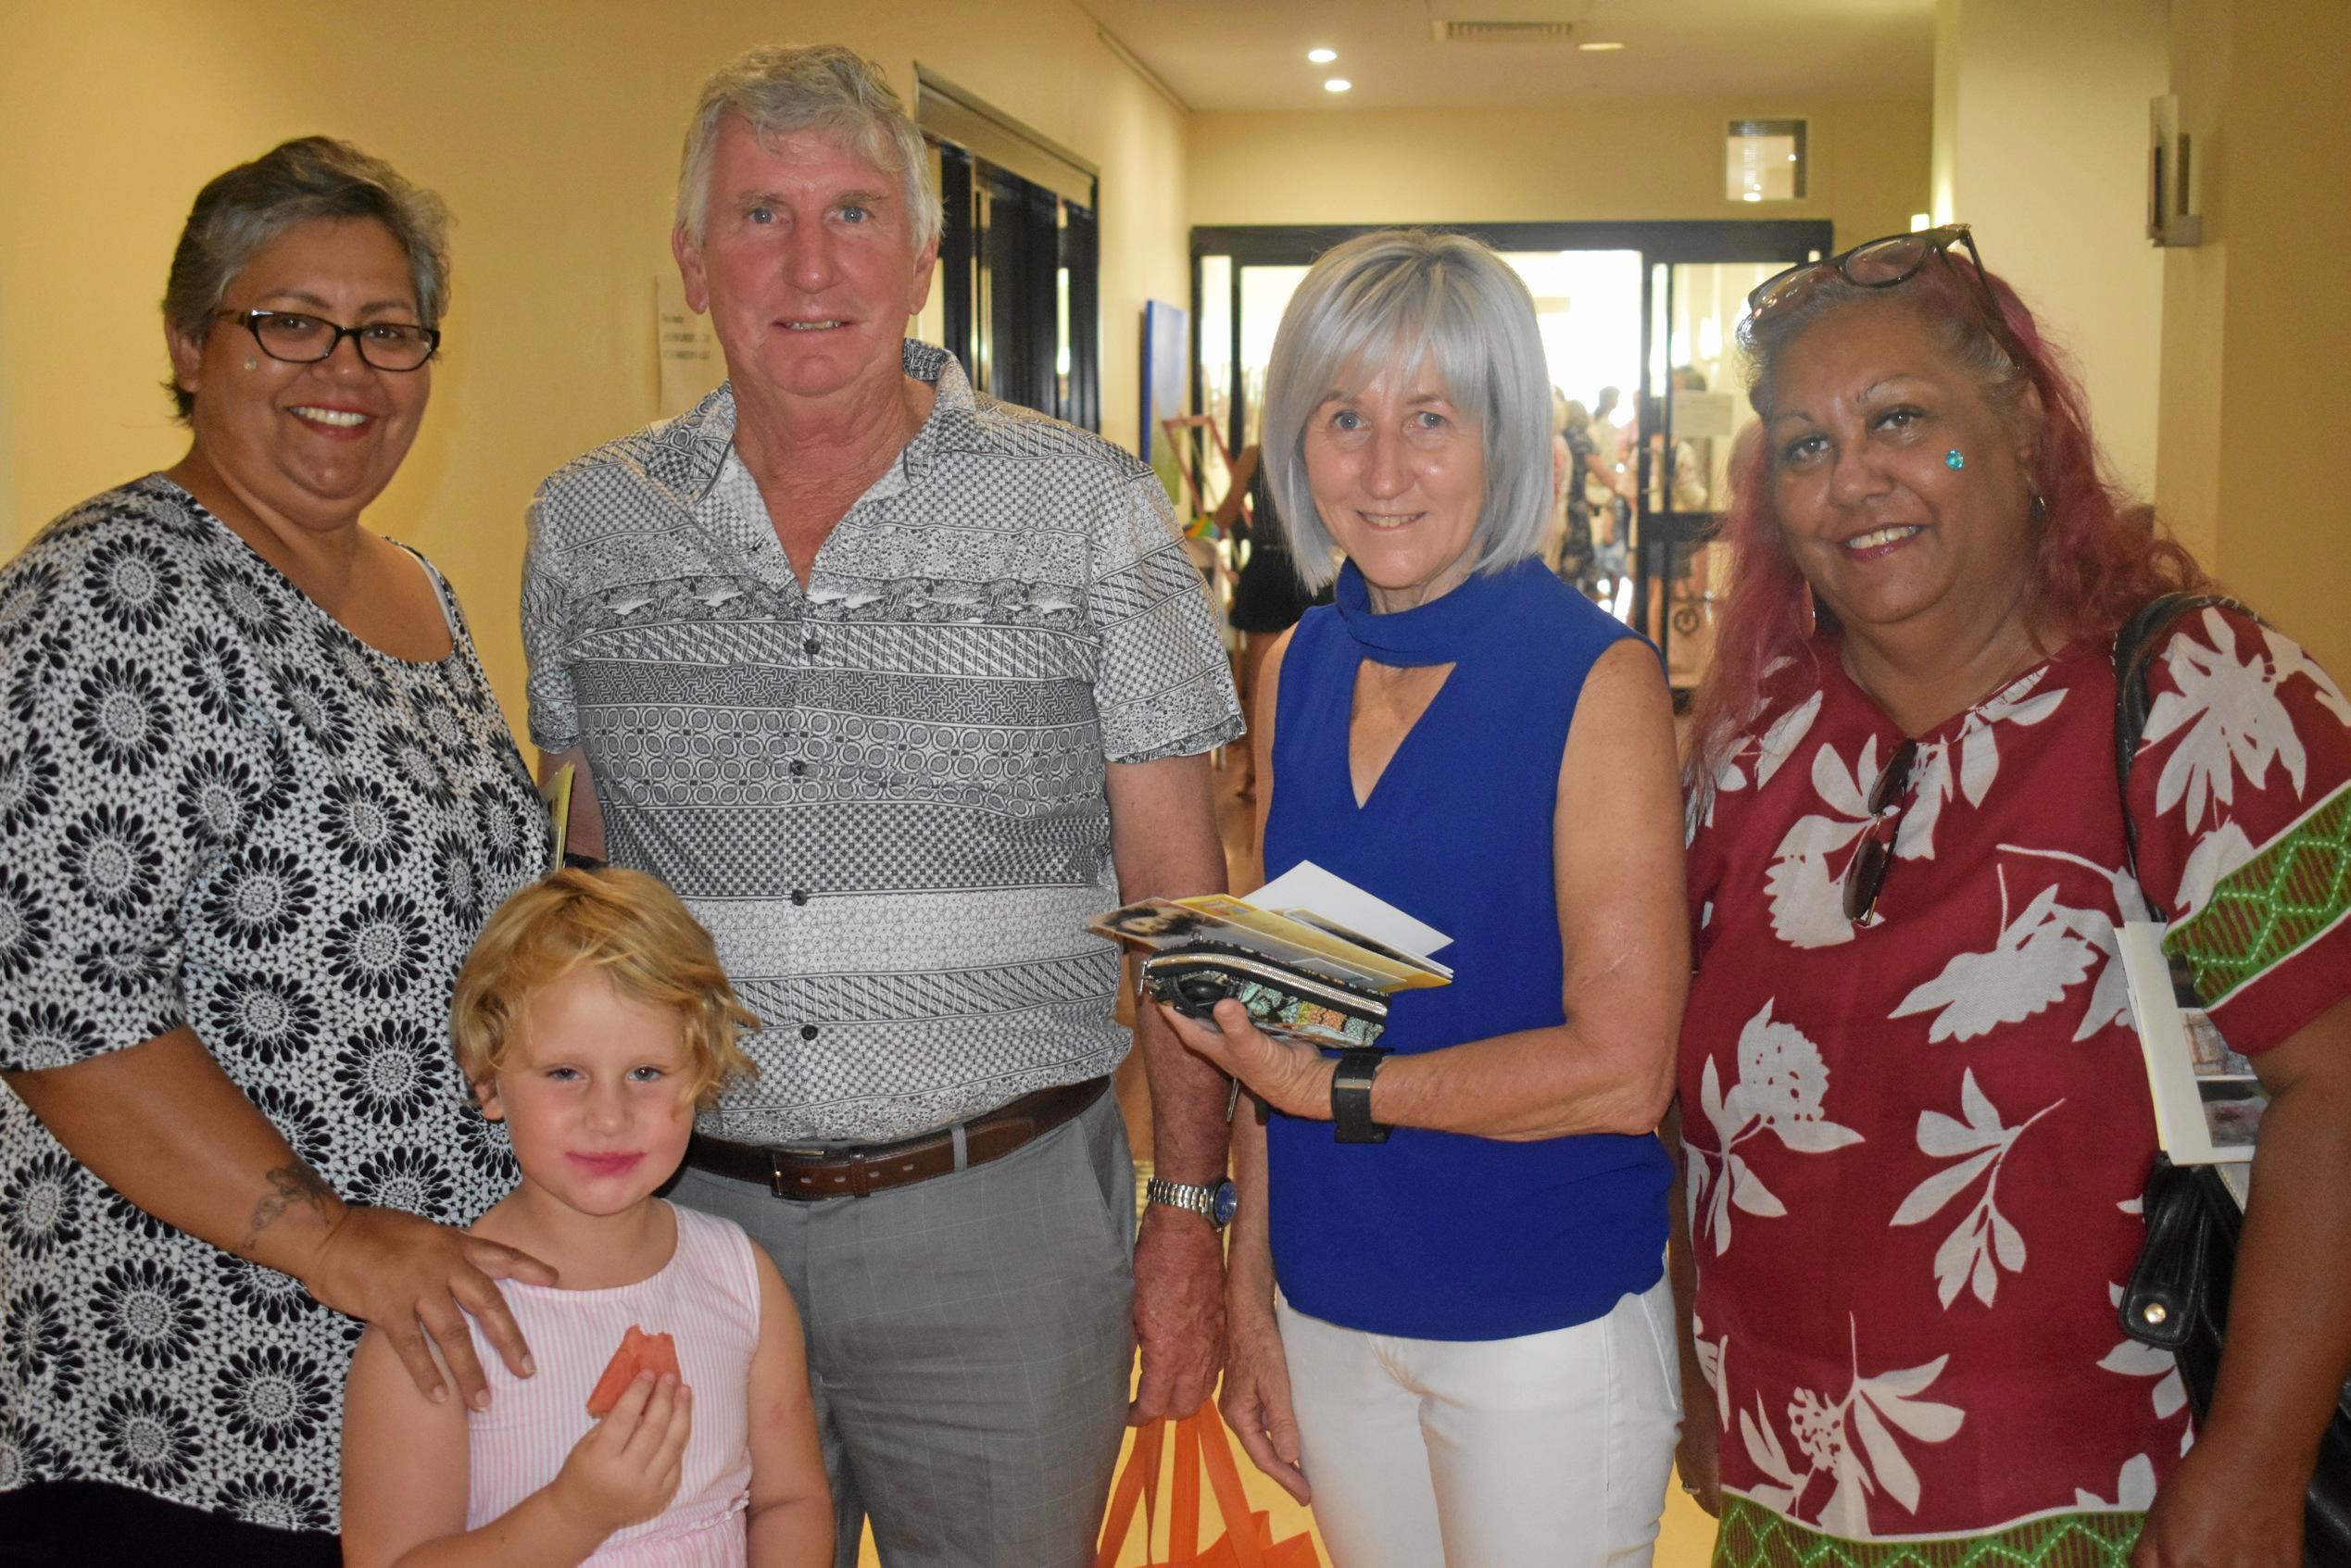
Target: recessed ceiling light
[
  {"x": 1322, "y": 56},
  {"x": 1598, "y": 48},
  {"x": 1337, "y": 85},
  {"x": 1751, "y": 196}
]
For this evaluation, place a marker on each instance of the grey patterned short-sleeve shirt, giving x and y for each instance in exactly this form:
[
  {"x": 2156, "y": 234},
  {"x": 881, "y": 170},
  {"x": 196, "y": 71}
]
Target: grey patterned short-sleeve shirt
[{"x": 884, "y": 793}]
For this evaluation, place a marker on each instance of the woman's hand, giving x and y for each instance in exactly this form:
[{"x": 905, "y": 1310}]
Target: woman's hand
[
  {"x": 628, "y": 1466},
  {"x": 416, "y": 1281},
  {"x": 1255, "y": 1398},
  {"x": 2213, "y": 1513},
  {"x": 1294, "y": 1079},
  {"x": 1698, "y": 1459}
]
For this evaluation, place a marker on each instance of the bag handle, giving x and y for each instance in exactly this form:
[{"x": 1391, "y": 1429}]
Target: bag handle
[
  {"x": 2134, "y": 649},
  {"x": 1200, "y": 1448}
]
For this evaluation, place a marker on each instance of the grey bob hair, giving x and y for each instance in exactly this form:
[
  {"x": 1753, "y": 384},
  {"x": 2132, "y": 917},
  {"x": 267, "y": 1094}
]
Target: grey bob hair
[
  {"x": 1396, "y": 297},
  {"x": 781, "y": 88},
  {"x": 239, "y": 212}
]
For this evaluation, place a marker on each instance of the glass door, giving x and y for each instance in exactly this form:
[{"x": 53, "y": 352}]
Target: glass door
[{"x": 1691, "y": 410}]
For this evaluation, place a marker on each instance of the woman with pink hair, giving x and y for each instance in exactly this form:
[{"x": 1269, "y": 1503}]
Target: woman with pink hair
[{"x": 1910, "y": 1093}]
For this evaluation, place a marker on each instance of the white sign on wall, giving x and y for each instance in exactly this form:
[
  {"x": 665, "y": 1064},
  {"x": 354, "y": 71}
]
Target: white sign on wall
[{"x": 687, "y": 349}]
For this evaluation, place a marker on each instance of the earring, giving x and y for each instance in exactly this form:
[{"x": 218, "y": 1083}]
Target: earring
[
  {"x": 1954, "y": 459},
  {"x": 251, "y": 363},
  {"x": 2039, "y": 508}
]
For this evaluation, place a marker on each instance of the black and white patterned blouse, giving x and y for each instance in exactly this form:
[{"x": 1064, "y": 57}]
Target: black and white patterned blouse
[{"x": 220, "y": 809}]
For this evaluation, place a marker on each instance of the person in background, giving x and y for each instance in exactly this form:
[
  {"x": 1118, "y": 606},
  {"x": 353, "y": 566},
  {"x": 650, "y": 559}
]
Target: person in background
[
  {"x": 1456, "y": 1342},
  {"x": 1912, "y": 1100},
  {"x": 897, "y": 686},
  {"x": 592, "y": 1020},
  {"x": 256, "y": 798}
]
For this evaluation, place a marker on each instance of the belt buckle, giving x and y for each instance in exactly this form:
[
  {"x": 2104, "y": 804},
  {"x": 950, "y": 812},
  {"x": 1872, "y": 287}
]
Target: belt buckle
[{"x": 853, "y": 1183}]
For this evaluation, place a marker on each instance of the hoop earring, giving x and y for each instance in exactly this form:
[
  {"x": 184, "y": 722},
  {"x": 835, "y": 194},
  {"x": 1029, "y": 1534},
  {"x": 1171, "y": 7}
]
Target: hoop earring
[{"x": 2039, "y": 508}]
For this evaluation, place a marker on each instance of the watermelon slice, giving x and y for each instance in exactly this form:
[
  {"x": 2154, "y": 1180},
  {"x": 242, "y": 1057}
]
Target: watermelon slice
[{"x": 639, "y": 1351}]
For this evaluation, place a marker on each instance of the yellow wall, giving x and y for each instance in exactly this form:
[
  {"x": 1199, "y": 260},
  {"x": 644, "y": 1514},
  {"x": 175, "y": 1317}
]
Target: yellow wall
[
  {"x": 1631, "y": 160},
  {"x": 2047, "y": 156},
  {"x": 552, "y": 129},
  {"x": 2256, "y": 386}
]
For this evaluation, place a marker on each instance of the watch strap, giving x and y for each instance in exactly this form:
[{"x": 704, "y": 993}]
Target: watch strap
[
  {"x": 1351, "y": 1088},
  {"x": 1200, "y": 1200}
]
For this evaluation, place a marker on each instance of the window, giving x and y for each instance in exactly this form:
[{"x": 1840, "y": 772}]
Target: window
[
  {"x": 1017, "y": 286},
  {"x": 1763, "y": 160}
]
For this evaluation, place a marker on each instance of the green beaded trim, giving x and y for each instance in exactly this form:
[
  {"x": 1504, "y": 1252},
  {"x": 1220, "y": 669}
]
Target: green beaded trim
[
  {"x": 2272, "y": 905},
  {"x": 1754, "y": 1537}
]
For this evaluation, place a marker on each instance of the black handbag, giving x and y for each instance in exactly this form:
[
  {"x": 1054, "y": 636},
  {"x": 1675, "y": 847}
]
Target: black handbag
[{"x": 2178, "y": 1297}]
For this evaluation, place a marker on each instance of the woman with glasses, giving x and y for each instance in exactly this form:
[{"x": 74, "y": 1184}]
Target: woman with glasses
[
  {"x": 256, "y": 798},
  {"x": 1470, "y": 1361},
  {"x": 1913, "y": 1105}
]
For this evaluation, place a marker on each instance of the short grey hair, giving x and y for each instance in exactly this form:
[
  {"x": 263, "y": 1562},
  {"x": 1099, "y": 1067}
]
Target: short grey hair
[
  {"x": 1396, "y": 296},
  {"x": 239, "y": 212},
  {"x": 781, "y": 88}
]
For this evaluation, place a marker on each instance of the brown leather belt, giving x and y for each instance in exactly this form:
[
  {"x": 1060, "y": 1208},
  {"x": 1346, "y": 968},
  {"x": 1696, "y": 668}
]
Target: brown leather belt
[{"x": 807, "y": 1173}]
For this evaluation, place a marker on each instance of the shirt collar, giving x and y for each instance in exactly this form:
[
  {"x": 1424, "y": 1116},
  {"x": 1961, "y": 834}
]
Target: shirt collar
[{"x": 693, "y": 449}]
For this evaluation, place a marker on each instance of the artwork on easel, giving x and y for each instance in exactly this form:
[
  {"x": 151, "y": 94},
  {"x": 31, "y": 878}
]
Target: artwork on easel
[{"x": 1166, "y": 355}]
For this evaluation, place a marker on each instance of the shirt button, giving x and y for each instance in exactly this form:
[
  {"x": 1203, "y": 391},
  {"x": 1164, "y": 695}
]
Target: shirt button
[
  {"x": 808, "y": 1031},
  {"x": 811, "y": 648},
  {"x": 799, "y": 896},
  {"x": 797, "y": 769}
]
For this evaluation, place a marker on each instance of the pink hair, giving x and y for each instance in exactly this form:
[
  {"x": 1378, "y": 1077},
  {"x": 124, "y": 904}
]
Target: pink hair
[{"x": 2099, "y": 554}]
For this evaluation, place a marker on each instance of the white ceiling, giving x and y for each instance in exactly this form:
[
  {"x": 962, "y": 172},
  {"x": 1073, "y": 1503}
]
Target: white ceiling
[{"x": 1251, "y": 54}]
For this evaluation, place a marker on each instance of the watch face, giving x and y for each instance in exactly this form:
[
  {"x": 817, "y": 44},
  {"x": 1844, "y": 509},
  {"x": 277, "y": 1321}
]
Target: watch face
[{"x": 1222, "y": 1202}]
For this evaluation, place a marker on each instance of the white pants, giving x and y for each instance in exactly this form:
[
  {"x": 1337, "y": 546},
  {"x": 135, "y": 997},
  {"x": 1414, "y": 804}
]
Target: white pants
[{"x": 1550, "y": 1449}]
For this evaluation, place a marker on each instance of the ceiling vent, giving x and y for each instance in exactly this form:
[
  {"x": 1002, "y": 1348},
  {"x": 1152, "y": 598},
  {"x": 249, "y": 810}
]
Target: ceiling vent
[{"x": 1469, "y": 31}]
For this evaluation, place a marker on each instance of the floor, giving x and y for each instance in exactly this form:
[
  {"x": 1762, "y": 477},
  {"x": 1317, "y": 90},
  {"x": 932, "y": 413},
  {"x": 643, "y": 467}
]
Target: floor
[{"x": 1686, "y": 1536}]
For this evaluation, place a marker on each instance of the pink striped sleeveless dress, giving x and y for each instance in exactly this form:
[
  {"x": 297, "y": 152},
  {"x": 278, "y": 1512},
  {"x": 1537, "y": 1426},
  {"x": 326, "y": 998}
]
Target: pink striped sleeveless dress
[{"x": 707, "y": 1297}]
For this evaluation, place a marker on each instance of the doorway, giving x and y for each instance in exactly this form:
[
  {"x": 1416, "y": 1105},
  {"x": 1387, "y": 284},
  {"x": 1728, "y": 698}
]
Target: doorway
[{"x": 1650, "y": 309}]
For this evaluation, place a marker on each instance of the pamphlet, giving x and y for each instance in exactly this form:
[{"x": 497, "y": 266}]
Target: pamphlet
[
  {"x": 2208, "y": 1103},
  {"x": 1307, "y": 919},
  {"x": 556, "y": 793}
]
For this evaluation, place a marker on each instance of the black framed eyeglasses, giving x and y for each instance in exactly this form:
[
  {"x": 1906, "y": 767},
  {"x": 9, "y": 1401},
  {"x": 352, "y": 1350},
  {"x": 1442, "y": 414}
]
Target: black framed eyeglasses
[
  {"x": 1865, "y": 873},
  {"x": 1885, "y": 263},
  {"x": 299, "y": 338}
]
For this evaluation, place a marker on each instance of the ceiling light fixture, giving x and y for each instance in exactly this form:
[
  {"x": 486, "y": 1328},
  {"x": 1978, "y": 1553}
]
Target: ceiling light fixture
[
  {"x": 1322, "y": 56},
  {"x": 1337, "y": 85},
  {"x": 1598, "y": 48}
]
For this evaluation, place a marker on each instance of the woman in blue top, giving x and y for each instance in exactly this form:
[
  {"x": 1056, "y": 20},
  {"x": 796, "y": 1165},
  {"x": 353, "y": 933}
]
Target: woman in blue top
[{"x": 1470, "y": 1353}]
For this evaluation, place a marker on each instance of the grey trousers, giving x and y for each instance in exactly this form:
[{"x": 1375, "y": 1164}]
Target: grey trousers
[{"x": 969, "y": 1343}]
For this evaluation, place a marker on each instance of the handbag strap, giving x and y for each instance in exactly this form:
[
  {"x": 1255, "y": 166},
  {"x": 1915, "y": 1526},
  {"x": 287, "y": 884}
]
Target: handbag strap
[
  {"x": 1223, "y": 1480},
  {"x": 2134, "y": 649},
  {"x": 1140, "y": 1475}
]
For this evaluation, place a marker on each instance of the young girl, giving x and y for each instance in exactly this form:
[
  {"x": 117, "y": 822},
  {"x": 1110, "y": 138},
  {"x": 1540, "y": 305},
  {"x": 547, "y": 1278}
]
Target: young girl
[{"x": 593, "y": 1018}]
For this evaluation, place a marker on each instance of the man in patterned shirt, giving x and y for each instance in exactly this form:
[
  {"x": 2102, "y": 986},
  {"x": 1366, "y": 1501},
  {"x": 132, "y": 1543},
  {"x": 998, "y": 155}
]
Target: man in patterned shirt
[{"x": 897, "y": 686}]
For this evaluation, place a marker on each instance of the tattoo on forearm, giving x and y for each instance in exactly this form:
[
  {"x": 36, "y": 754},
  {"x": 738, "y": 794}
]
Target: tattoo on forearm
[{"x": 289, "y": 1186}]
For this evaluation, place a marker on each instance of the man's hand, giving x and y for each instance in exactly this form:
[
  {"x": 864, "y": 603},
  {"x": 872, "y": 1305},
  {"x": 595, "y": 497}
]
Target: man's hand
[
  {"x": 1294, "y": 1079},
  {"x": 1256, "y": 1402},
  {"x": 2213, "y": 1512},
  {"x": 413, "y": 1279},
  {"x": 1180, "y": 1312}
]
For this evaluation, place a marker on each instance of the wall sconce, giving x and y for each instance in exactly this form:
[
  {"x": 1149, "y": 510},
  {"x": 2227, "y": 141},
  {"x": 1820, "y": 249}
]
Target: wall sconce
[{"x": 2169, "y": 222}]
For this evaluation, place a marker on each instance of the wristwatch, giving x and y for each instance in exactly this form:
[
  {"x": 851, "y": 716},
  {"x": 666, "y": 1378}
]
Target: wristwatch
[
  {"x": 1214, "y": 1204},
  {"x": 1351, "y": 1088}
]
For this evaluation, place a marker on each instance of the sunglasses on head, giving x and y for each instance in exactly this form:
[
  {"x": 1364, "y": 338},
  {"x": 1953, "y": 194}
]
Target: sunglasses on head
[{"x": 1882, "y": 264}]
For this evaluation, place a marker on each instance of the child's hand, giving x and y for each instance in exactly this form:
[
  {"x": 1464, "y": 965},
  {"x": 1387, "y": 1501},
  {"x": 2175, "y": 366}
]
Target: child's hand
[{"x": 627, "y": 1467}]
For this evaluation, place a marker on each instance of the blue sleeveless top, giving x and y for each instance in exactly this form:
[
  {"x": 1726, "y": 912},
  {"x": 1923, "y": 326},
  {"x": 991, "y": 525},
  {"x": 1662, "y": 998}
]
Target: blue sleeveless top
[{"x": 1442, "y": 1236}]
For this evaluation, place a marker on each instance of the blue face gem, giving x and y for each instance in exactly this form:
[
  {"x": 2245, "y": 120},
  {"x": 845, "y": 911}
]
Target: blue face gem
[{"x": 1954, "y": 459}]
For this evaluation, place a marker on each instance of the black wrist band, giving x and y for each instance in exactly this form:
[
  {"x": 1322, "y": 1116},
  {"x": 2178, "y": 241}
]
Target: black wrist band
[{"x": 1351, "y": 1089}]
